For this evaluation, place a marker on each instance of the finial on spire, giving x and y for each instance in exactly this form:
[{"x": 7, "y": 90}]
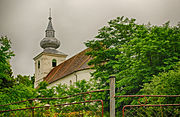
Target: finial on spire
[{"x": 49, "y": 14}]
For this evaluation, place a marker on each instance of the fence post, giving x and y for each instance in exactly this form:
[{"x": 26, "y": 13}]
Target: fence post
[
  {"x": 31, "y": 103},
  {"x": 112, "y": 94}
]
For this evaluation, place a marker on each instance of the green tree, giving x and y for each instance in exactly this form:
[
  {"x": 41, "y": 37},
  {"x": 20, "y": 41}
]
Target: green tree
[
  {"x": 22, "y": 89},
  {"x": 33, "y": 79},
  {"x": 44, "y": 91},
  {"x": 12, "y": 89},
  {"x": 165, "y": 83},
  {"x": 16, "y": 93},
  {"x": 133, "y": 53},
  {"x": 6, "y": 79},
  {"x": 76, "y": 87},
  {"x": 26, "y": 80}
]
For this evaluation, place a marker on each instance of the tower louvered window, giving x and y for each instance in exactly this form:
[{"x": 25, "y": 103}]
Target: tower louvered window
[
  {"x": 38, "y": 64},
  {"x": 54, "y": 63}
]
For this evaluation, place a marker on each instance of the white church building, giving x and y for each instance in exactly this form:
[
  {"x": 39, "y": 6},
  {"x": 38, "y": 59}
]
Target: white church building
[{"x": 52, "y": 66}]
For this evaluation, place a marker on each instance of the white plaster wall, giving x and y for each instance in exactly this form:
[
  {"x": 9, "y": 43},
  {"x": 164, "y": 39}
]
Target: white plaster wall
[
  {"x": 45, "y": 66},
  {"x": 80, "y": 75}
]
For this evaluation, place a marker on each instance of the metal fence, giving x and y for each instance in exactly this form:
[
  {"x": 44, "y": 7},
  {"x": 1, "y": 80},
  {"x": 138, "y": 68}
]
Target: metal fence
[
  {"x": 76, "y": 109},
  {"x": 149, "y": 106},
  {"x": 80, "y": 106},
  {"x": 86, "y": 105}
]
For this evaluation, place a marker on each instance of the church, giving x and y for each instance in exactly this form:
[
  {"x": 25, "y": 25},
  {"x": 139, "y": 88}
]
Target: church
[{"x": 52, "y": 66}]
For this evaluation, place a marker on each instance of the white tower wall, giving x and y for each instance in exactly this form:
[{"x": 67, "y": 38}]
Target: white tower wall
[{"x": 45, "y": 65}]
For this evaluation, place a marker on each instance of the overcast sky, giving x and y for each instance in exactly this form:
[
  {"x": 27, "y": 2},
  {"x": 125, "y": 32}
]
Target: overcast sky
[{"x": 75, "y": 22}]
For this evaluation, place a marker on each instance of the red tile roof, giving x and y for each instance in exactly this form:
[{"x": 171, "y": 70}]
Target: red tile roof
[{"x": 75, "y": 63}]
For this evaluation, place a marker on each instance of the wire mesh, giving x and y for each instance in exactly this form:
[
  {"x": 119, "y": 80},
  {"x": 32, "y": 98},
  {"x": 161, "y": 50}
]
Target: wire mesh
[
  {"x": 93, "y": 108},
  {"x": 148, "y": 105},
  {"x": 151, "y": 111},
  {"x": 79, "y": 105}
]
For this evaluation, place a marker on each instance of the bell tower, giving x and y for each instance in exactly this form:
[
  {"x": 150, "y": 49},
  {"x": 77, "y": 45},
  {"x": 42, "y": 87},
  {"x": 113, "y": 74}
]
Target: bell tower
[{"x": 50, "y": 57}]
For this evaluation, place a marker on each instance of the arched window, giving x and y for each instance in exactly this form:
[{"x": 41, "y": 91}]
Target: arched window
[
  {"x": 38, "y": 64},
  {"x": 54, "y": 63}
]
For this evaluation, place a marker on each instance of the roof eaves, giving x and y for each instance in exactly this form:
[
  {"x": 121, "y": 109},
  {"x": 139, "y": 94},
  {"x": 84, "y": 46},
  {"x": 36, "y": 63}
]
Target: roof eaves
[{"x": 68, "y": 74}]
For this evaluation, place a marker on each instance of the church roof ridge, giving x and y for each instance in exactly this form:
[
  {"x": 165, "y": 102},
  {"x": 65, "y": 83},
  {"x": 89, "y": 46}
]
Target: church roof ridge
[{"x": 76, "y": 63}]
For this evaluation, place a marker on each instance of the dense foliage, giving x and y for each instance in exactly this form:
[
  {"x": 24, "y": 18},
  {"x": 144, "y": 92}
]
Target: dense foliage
[
  {"x": 21, "y": 90},
  {"x": 165, "y": 83},
  {"x": 6, "y": 79},
  {"x": 133, "y": 53},
  {"x": 12, "y": 89}
]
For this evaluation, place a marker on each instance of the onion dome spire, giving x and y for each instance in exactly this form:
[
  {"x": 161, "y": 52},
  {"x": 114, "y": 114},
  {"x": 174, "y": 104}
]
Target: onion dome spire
[{"x": 50, "y": 42}]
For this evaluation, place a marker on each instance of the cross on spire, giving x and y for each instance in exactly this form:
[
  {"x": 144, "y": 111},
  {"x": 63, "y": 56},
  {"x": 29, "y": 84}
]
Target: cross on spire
[
  {"x": 50, "y": 14},
  {"x": 50, "y": 31}
]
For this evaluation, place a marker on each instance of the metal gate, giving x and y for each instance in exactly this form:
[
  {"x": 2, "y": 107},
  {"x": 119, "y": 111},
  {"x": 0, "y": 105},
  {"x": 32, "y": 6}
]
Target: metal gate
[{"x": 146, "y": 108}]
